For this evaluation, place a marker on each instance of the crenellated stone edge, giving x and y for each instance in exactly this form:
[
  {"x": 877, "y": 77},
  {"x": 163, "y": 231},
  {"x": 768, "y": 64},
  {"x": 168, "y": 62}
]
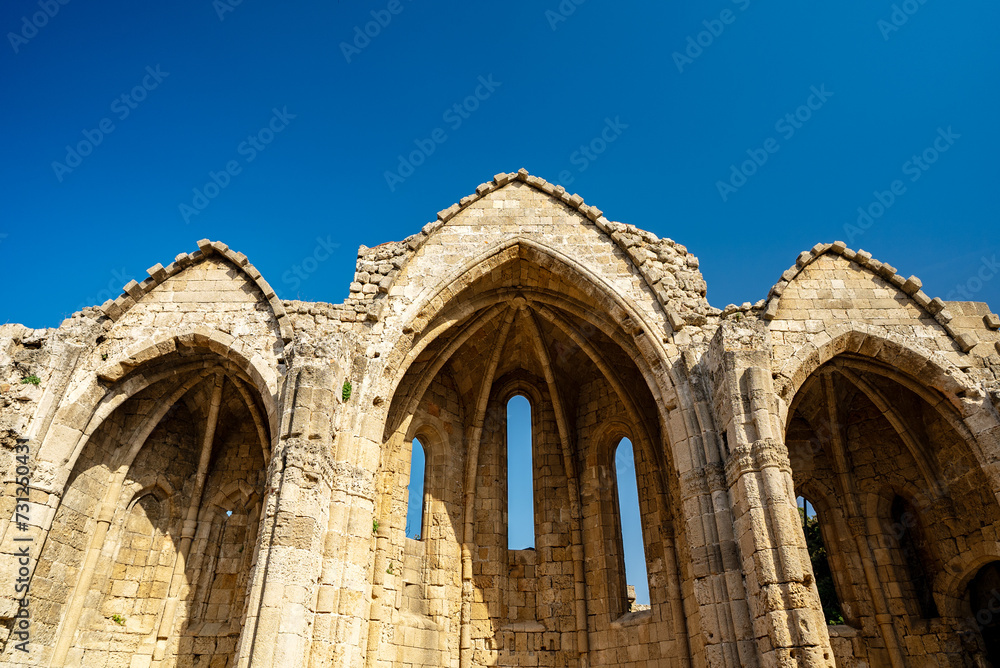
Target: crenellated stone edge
[
  {"x": 641, "y": 246},
  {"x": 911, "y": 286},
  {"x": 134, "y": 291}
]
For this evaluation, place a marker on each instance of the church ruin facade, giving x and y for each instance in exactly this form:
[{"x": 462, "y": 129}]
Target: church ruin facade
[{"x": 199, "y": 473}]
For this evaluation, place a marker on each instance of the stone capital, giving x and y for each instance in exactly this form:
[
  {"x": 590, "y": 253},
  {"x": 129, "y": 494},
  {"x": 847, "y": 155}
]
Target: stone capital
[{"x": 761, "y": 454}]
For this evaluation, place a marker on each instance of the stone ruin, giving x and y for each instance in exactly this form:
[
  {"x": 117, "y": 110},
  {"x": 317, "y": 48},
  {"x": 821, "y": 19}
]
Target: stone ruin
[{"x": 218, "y": 477}]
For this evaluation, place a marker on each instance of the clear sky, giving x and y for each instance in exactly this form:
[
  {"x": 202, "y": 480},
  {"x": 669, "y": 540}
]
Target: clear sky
[
  {"x": 748, "y": 131},
  {"x": 114, "y": 114},
  {"x": 520, "y": 495}
]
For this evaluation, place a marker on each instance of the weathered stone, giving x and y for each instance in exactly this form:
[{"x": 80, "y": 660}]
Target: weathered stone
[{"x": 220, "y": 477}]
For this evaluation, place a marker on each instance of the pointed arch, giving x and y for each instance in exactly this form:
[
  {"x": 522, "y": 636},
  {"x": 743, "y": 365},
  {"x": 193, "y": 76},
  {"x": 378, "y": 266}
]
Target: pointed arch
[
  {"x": 955, "y": 397},
  {"x": 622, "y": 236},
  {"x": 86, "y": 408},
  {"x": 871, "y": 418},
  {"x": 522, "y": 318},
  {"x": 190, "y": 376},
  {"x": 158, "y": 274},
  {"x": 911, "y": 543},
  {"x": 435, "y": 312},
  {"x": 952, "y": 583},
  {"x": 818, "y": 530},
  {"x": 630, "y": 524},
  {"x": 520, "y": 474},
  {"x": 875, "y": 343}
]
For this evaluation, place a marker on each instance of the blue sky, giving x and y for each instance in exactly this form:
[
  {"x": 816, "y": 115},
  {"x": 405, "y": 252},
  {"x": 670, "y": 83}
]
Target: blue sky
[
  {"x": 131, "y": 130},
  {"x": 520, "y": 495},
  {"x": 645, "y": 110}
]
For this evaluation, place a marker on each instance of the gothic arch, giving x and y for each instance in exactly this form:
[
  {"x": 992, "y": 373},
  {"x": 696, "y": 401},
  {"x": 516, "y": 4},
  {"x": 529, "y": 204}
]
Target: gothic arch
[
  {"x": 437, "y": 312},
  {"x": 141, "y": 435},
  {"x": 879, "y": 431},
  {"x": 879, "y": 345},
  {"x": 99, "y": 396},
  {"x": 951, "y": 585},
  {"x": 955, "y": 398},
  {"x": 523, "y": 319}
]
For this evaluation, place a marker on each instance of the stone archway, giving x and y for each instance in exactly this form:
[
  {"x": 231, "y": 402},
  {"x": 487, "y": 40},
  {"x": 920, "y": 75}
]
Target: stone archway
[
  {"x": 896, "y": 473},
  {"x": 123, "y": 561},
  {"x": 522, "y": 329}
]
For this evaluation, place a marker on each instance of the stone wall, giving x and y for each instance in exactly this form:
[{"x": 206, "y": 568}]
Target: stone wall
[{"x": 219, "y": 477}]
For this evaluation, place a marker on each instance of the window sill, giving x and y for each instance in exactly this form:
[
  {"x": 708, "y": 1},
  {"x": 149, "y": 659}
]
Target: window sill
[{"x": 632, "y": 619}]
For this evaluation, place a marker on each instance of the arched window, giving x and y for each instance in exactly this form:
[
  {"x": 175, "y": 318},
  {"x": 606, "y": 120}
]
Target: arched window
[
  {"x": 820, "y": 562},
  {"x": 415, "y": 491},
  {"x": 630, "y": 521},
  {"x": 910, "y": 537},
  {"x": 520, "y": 478}
]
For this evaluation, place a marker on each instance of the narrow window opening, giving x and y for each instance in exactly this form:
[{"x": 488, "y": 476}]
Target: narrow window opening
[
  {"x": 630, "y": 520},
  {"x": 912, "y": 543},
  {"x": 520, "y": 476},
  {"x": 415, "y": 492},
  {"x": 820, "y": 562}
]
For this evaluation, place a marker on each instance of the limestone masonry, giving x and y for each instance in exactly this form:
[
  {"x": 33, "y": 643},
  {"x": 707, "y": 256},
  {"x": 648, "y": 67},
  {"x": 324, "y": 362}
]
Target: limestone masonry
[{"x": 199, "y": 473}]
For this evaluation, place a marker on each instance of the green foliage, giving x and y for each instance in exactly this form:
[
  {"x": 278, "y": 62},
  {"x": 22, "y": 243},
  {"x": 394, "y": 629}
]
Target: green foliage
[
  {"x": 118, "y": 619},
  {"x": 346, "y": 392},
  {"x": 389, "y": 570},
  {"x": 821, "y": 569},
  {"x": 31, "y": 380},
  {"x": 374, "y": 527}
]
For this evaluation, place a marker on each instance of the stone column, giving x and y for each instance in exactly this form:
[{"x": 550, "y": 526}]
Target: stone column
[
  {"x": 350, "y": 595},
  {"x": 285, "y": 581},
  {"x": 718, "y": 617},
  {"x": 315, "y": 579},
  {"x": 787, "y": 617}
]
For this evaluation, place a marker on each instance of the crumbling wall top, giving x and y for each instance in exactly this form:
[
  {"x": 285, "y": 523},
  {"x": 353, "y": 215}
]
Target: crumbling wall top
[{"x": 669, "y": 269}]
